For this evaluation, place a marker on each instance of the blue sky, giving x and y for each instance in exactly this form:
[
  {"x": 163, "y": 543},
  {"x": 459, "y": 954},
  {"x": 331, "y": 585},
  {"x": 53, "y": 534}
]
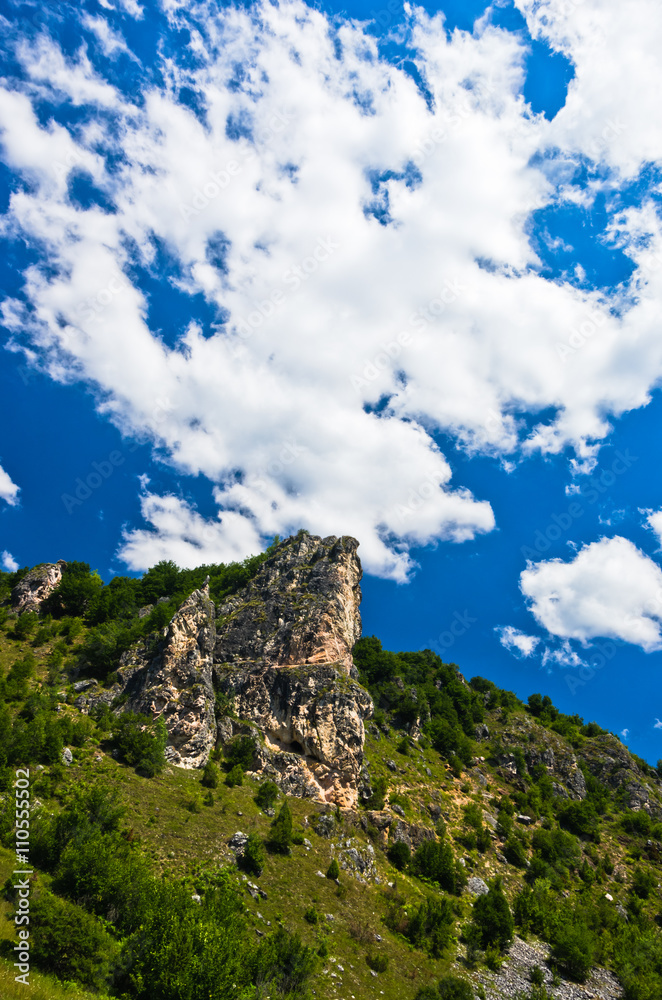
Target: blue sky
[{"x": 360, "y": 268}]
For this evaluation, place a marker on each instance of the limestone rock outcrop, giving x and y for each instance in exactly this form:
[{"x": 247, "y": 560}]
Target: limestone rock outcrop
[
  {"x": 311, "y": 723},
  {"x": 33, "y": 589},
  {"x": 301, "y": 607},
  {"x": 273, "y": 662},
  {"x": 176, "y": 683}
]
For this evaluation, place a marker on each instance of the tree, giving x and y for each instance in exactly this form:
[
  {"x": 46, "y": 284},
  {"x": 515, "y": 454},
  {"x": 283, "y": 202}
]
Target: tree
[
  {"x": 234, "y": 777},
  {"x": 281, "y": 830},
  {"x": 266, "y": 795},
  {"x": 254, "y": 856},
  {"x": 399, "y": 854},
  {"x": 333, "y": 871},
  {"x": 141, "y": 742},
  {"x": 455, "y": 988},
  {"x": 492, "y": 918},
  {"x": 210, "y": 775}
]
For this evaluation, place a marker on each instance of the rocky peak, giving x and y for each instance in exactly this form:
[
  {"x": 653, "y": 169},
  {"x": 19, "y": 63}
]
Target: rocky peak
[
  {"x": 301, "y": 607},
  {"x": 279, "y": 654},
  {"x": 33, "y": 589}
]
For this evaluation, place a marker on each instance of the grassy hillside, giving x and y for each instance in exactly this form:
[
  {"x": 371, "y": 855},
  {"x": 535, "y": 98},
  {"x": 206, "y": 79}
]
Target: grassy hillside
[{"x": 462, "y": 782}]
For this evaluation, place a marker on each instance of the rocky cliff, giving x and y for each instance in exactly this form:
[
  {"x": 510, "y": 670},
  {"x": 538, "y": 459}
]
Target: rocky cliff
[
  {"x": 33, "y": 589},
  {"x": 273, "y": 662}
]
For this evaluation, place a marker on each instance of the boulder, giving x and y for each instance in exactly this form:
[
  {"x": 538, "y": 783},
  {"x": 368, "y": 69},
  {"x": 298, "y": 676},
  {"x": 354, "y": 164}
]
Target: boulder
[{"x": 38, "y": 584}]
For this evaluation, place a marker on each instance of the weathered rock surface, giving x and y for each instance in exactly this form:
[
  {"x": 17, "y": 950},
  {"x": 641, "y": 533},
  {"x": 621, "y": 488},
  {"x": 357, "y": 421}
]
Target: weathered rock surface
[
  {"x": 278, "y": 655},
  {"x": 176, "y": 684},
  {"x": 301, "y": 607},
  {"x": 30, "y": 592},
  {"x": 314, "y": 715}
]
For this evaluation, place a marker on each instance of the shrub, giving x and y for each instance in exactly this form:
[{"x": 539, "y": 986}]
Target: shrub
[
  {"x": 537, "y": 976},
  {"x": 210, "y": 775},
  {"x": 280, "y": 839},
  {"x": 377, "y": 962},
  {"x": 515, "y": 853},
  {"x": 399, "y": 855},
  {"x": 643, "y": 882},
  {"x": 234, "y": 777},
  {"x": 435, "y": 861},
  {"x": 574, "y": 948},
  {"x": 141, "y": 742},
  {"x": 266, "y": 795},
  {"x": 69, "y": 942},
  {"x": 455, "y": 988},
  {"x": 333, "y": 871},
  {"x": 493, "y": 919},
  {"x": 239, "y": 752},
  {"x": 430, "y": 925},
  {"x": 311, "y": 915},
  {"x": 208, "y": 799},
  {"x": 254, "y": 856}
]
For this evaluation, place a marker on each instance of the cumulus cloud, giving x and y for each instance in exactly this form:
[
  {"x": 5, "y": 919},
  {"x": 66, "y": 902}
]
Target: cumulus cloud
[
  {"x": 362, "y": 252},
  {"x": 610, "y": 589},
  {"x": 517, "y": 641},
  {"x": 8, "y": 562},
  {"x": 654, "y": 521},
  {"x": 657, "y": 724},
  {"x": 8, "y": 490}
]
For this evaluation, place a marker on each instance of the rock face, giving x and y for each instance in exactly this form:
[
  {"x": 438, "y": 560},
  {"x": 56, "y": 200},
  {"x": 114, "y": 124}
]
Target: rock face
[
  {"x": 176, "y": 684},
  {"x": 274, "y": 662},
  {"x": 302, "y": 607},
  {"x": 36, "y": 586},
  {"x": 309, "y": 718}
]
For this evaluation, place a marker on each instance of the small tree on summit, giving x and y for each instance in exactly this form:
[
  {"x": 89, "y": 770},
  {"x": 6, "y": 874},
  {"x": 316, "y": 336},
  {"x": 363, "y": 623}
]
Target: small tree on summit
[{"x": 281, "y": 830}]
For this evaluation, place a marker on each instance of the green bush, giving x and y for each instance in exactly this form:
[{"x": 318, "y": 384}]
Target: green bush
[
  {"x": 267, "y": 794},
  {"x": 254, "y": 856},
  {"x": 234, "y": 777},
  {"x": 492, "y": 917},
  {"x": 239, "y": 752},
  {"x": 379, "y": 963},
  {"x": 435, "y": 861},
  {"x": 141, "y": 742},
  {"x": 399, "y": 855},
  {"x": 430, "y": 925},
  {"x": 574, "y": 949},
  {"x": 455, "y": 988},
  {"x": 311, "y": 915},
  {"x": 280, "y": 838},
  {"x": 69, "y": 942},
  {"x": 210, "y": 775},
  {"x": 333, "y": 871}
]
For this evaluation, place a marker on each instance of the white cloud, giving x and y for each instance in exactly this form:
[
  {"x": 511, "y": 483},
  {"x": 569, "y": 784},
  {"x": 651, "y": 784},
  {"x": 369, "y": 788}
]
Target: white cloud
[
  {"x": 8, "y": 490},
  {"x": 625, "y": 733},
  {"x": 183, "y": 535},
  {"x": 610, "y": 589},
  {"x": 8, "y": 562},
  {"x": 517, "y": 641},
  {"x": 654, "y": 520},
  {"x": 658, "y": 724},
  {"x": 606, "y": 42},
  {"x": 317, "y": 292},
  {"x": 111, "y": 42}
]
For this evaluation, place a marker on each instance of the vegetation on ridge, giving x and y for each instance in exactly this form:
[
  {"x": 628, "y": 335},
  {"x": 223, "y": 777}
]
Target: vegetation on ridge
[{"x": 138, "y": 894}]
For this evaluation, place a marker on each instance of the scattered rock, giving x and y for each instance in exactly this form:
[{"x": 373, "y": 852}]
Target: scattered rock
[
  {"x": 477, "y": 887},
  {"x": 67, "y": 756}
]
